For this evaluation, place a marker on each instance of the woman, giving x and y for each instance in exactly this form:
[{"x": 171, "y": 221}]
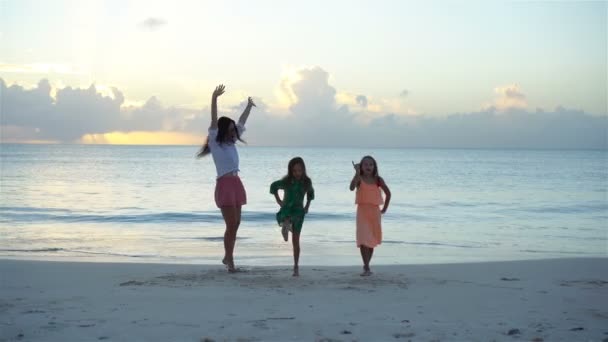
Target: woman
[{"x": 230, "y": 194}]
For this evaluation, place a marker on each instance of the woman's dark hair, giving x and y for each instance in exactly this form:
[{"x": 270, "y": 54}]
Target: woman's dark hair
[
  {"x": 290, "y": 177},
  {"x": 223, "y": 124},
  {"x": 375, "y": 174}
]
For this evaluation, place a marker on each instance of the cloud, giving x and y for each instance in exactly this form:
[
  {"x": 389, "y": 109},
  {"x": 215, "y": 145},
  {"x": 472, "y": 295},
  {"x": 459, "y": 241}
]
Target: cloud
[
  {"x": 509, "y": 97},
  {"x": 361, "y": 101},
  {"x": 313, "y": 94},
  {"x": 369, "y": 107},
  {"x": 153, "y": 23},
  {"x": 316, "y": 117},
  {"x": 75, "y": 112}
]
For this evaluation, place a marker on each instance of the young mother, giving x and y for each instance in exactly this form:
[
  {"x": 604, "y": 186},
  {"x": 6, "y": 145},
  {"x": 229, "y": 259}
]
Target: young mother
[{"x": 229, "y": 191}]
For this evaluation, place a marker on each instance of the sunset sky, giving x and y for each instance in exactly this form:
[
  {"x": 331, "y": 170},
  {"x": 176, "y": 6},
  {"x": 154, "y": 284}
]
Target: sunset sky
[{"x": 410, "y": 74}]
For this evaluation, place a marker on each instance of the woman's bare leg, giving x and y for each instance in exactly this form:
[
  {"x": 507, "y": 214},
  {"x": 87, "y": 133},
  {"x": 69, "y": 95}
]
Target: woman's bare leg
[{"x": 232, "y": 218}]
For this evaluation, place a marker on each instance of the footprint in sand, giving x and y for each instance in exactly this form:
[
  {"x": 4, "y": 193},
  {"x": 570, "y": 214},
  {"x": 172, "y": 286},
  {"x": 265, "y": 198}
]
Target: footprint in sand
[
  {"x": 403, "y": 335},
  {"x": 509, "y": 279}
]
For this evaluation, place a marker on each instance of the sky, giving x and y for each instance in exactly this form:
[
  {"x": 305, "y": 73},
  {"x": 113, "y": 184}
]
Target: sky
[{"x": 472, "y": 74}]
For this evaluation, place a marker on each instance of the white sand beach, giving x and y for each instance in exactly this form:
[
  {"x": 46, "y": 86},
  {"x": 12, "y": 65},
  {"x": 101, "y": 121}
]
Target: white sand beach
[{"x": 544, "y": 300}]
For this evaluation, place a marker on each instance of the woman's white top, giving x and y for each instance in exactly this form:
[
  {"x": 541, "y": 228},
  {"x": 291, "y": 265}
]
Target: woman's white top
[{"x": 225, "y": 155}]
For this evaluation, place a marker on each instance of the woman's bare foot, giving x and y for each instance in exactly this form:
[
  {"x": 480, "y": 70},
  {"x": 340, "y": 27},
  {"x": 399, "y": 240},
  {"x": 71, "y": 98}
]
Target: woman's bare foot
[
  {"x": 229, "y": 264},
  {"x": 296, "y": 272},
  {"x": 231, "y": 267}
]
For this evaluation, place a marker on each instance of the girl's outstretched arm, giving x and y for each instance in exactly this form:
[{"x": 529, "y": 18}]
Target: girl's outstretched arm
[
  {"x": 245, "y": 114},
  {"x": 387, "y": 193},
  {"x": 219, "y": 90}
]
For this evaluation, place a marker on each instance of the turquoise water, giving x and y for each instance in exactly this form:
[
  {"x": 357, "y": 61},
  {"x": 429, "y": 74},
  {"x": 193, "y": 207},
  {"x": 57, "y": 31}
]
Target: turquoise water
[{"x": 155, "y": 204}]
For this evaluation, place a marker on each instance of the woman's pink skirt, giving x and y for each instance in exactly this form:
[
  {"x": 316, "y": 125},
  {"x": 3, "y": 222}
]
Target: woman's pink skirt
[
  {"x": 369, "y": 228},
  {"x": 230, "y": 192}
]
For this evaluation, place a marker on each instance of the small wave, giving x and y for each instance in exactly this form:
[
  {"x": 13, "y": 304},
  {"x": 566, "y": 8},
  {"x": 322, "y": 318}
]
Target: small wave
[
  {"x": 564, "y": 209},
  {"x": 169, "y": 217},
  {"x": 457, "y": 204},
  {"x": 31, "y": 209},
  {"x": 24, "y": 214},
  {"x": 111, "y": 254},
  {"x": 209, "y": 238},
  {"x": 33, "y": 250},
  {"x": 397, "y": 242},
  {"x": 53, "y": 249},
  {"x": 556, "y": 252},
  {"x": 437, "y": 244}
]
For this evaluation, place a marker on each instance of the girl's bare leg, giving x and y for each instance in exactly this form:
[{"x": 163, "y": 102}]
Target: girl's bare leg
[
  {"x": 362, "y": 250},
  {"x": 370, "y": 253},
  {"x": 285, "y": 228},
  {"x": 365, "y": 255},
  {"x": 295, "y": 240}
]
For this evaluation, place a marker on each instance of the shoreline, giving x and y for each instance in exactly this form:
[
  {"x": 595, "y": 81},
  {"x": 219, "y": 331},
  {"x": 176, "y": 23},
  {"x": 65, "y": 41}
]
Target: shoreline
[
  {"x": 549, "y": 300},
  {"x": 285, "y": 260}
]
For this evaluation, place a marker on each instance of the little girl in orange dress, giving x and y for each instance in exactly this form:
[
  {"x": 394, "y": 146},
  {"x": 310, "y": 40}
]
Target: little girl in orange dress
[{"x": 368, "y": 200}]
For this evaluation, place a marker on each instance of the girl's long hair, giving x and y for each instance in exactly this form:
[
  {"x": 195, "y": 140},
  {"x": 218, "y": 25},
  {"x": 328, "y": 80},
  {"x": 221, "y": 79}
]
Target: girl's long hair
[
  {"x": 289, "y": 178},
  {"x": 223, "y": 124},
  {"x": 375, "y": 173}
]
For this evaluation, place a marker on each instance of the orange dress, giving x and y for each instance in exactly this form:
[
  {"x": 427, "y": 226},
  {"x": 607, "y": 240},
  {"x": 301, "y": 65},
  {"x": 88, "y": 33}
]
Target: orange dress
[{"x": 369, "y": 228}]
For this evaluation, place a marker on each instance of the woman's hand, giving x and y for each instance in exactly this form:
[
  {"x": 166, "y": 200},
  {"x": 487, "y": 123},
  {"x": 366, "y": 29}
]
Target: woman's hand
[
  {"x": 219, "y": 90},
  {"x": 245, "y": 115}
]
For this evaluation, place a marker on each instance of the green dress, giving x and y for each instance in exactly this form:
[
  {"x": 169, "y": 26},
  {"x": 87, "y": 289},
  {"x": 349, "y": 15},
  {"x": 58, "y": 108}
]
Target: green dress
[{"x": 293, "y": 201}]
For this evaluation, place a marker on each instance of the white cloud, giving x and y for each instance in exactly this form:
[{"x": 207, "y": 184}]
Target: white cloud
[
  {"x": 509, "y": 97},
  {"x": 319, "y": 115},
  {"x": 74, "y": 112}
]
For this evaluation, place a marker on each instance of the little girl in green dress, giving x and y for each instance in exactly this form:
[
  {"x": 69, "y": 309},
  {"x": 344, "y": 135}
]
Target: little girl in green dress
[{"x": 291, "y": 215}]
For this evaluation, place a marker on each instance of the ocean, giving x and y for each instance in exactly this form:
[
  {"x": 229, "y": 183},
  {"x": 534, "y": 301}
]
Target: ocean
[{"x": 155, "y": 204}]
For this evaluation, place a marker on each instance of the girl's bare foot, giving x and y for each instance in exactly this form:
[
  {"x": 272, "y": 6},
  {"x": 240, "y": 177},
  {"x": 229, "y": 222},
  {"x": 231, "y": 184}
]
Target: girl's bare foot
[
  {"x": 366, "y": 272},
  {"x": 285, "y": 228},
  {"x": 225, "y": 261},
  {"x": 296, "y": 272}
]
